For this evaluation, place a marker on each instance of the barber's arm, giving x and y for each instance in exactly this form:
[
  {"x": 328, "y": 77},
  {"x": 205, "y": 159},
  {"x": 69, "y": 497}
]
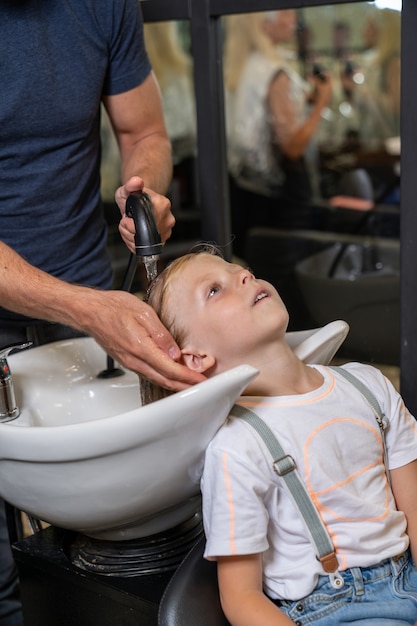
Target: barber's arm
[
  {"x": 127, "y": 328},
  {"x": 145, "y": 148}
]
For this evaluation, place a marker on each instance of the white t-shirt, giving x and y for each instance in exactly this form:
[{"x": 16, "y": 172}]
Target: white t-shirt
[{"x": 333, "y": 435}]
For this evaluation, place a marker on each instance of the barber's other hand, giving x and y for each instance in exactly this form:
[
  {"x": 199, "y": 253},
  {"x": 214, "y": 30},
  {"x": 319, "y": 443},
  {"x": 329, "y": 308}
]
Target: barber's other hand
[{"x": 161, "y": 205}]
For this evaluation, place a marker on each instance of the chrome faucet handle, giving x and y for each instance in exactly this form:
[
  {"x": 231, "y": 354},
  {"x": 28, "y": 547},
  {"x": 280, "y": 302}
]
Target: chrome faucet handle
[
  {"x": 4, "y": 352},
  {"x": 8, "y": 409}
]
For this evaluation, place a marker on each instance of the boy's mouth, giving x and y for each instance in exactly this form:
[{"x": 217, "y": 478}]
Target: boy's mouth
[{"x": 260, "y": 296}]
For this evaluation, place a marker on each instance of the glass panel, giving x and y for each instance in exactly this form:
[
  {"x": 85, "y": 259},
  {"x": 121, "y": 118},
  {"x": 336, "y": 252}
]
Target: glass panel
[
  {"x": 314, "y": 183},
  {"x": 168, "y": 46}
]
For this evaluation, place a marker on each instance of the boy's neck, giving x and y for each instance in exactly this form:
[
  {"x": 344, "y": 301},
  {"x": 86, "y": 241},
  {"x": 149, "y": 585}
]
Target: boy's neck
[{"x": 282, "y": 376}]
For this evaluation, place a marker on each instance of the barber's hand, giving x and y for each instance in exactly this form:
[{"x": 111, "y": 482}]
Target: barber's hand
[
  {"x": 130, "y": 331},
  {"x": 161, "y": 205}
]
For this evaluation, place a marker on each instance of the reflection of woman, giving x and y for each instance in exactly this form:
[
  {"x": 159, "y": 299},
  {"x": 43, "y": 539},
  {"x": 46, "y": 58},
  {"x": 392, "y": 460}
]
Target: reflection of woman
[
  {"x": 384, "y": 72},
  {"x": 270, "y": 120},
  {"x": 377, "y": 99},
  {"x": 172, "y": 67}
]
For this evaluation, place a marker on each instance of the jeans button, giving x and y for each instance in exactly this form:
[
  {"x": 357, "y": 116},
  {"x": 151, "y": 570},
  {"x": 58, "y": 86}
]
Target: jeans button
[{"x": 299, "y": 607}]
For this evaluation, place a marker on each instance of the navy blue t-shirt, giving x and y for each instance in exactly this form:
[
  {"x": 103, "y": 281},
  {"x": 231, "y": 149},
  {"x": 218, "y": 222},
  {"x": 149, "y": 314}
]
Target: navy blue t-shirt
[{"x": 57, "y": 59}]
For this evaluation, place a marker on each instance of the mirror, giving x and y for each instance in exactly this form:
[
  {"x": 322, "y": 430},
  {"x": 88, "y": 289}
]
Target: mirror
[{"x": 310, "y": 172}]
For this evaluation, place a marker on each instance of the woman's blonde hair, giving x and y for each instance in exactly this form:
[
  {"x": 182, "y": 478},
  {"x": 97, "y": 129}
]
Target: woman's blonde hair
[
  {"x": 165, "y": 51},
  {"x": 389, "y": 37},
  {"x": 157, "y": 297},
  {"x": 244, "y": 34}
]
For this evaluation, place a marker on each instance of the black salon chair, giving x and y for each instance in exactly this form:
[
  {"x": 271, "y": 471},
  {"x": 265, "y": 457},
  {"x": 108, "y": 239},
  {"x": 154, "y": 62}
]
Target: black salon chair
[{"x": 192, "y": 595}]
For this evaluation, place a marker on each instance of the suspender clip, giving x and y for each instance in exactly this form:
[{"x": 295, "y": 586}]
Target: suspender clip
[
  {"x": 284, "y": 465},
  {"x": 329, "y": 562}
]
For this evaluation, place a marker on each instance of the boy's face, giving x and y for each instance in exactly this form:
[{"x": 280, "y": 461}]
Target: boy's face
[{"x": 226, "y": 311}]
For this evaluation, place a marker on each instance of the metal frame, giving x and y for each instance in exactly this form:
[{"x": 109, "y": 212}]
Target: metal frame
[
  {"x": 211, "y": 166},
  {"x": 408, "y": 362}
]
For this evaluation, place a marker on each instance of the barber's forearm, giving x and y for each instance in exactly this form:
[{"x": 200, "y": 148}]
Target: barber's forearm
[
  {"x": 151, "y": 159},
  {"x": 27, "y": 290},
  {"x": 125, "y": 327}
]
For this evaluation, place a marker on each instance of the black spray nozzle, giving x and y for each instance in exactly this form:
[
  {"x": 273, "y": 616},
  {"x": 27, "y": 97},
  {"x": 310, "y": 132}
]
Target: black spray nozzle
[
  {"x": 147, "y": 238},
  {"x": 350, "y": 68},
  {"x": 319, "y": 72}
]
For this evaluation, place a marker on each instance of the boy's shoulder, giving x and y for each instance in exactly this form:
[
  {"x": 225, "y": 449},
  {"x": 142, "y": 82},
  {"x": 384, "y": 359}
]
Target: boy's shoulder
[
  {"x": 364, "y": 371},
  {"x": 373, "y": 379},
  {"x": 234, "y": 436}
]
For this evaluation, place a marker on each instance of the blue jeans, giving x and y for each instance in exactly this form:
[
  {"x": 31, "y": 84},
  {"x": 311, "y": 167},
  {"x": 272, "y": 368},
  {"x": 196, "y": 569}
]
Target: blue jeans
[
  {"x": 381, "y": 595},
  {"x": 10, "y": 606}
]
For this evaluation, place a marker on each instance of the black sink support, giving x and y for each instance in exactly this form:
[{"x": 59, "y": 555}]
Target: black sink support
[{"x": 56, "y": 591}]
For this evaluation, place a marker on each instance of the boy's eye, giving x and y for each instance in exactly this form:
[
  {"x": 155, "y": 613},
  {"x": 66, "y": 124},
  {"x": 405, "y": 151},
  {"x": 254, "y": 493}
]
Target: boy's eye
[{"x": 213, "y": 290}]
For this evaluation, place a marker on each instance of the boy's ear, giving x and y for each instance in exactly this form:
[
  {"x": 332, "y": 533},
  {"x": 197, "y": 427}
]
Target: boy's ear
[{"x": 196, "y": 361}]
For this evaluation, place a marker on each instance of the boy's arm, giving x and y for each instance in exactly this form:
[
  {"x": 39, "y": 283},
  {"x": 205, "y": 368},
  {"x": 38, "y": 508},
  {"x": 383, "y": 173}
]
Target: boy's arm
[
  {"x": 241, "y": 595},
  {"x": 404, "y": 488}
]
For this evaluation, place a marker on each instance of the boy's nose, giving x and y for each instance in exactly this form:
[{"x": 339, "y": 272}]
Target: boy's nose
[{"x": 245, "y": 276}]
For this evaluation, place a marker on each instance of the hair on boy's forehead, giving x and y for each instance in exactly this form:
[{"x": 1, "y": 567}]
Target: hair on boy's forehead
[{"x": 159, "y": 288}]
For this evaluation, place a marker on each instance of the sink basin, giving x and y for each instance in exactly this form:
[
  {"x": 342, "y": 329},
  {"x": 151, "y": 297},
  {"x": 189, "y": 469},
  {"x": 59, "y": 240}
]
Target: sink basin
[
  {"x": 85, "y": 456},
  {"x": 359, "y": 283},
  {"x": 318, "y": 345}
]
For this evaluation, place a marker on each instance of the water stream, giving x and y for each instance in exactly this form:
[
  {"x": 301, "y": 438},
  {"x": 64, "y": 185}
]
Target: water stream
[{"x": 151, "y": 266}]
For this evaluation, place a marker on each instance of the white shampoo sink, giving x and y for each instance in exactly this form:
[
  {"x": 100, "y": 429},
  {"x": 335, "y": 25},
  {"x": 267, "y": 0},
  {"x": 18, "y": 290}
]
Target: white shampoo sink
[{"x": 85, "y": 456}]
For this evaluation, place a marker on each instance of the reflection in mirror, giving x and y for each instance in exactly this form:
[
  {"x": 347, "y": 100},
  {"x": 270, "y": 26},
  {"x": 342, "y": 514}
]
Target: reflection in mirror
[
  {"x": 172, "y": 67},
  {"x": 312, "y": 125},
  {"x": 110, "y": 159},
  {"x": 272, "y": 117},
  {"x": 362, "y": 122},
  {"x": 168, "y": 46}
]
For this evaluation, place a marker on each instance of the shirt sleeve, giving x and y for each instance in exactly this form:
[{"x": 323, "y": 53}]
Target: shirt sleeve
[
  {"x": 401, "y": 434},
  {"x": 128, "y": 64},
  {"x": 233, "y": 487}
]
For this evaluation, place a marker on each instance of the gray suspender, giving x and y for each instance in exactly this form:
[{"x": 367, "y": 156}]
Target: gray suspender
[{"x": 284, "y": 465}]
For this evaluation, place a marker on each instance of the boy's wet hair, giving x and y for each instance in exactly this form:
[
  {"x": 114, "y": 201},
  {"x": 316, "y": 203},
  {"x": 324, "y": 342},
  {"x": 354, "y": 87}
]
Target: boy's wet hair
[{"x": 156, "y": 298}]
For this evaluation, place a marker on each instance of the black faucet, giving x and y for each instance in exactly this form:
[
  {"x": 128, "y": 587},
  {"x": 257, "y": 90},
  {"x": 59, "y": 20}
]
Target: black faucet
[{"x": 147, "y": 236}]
